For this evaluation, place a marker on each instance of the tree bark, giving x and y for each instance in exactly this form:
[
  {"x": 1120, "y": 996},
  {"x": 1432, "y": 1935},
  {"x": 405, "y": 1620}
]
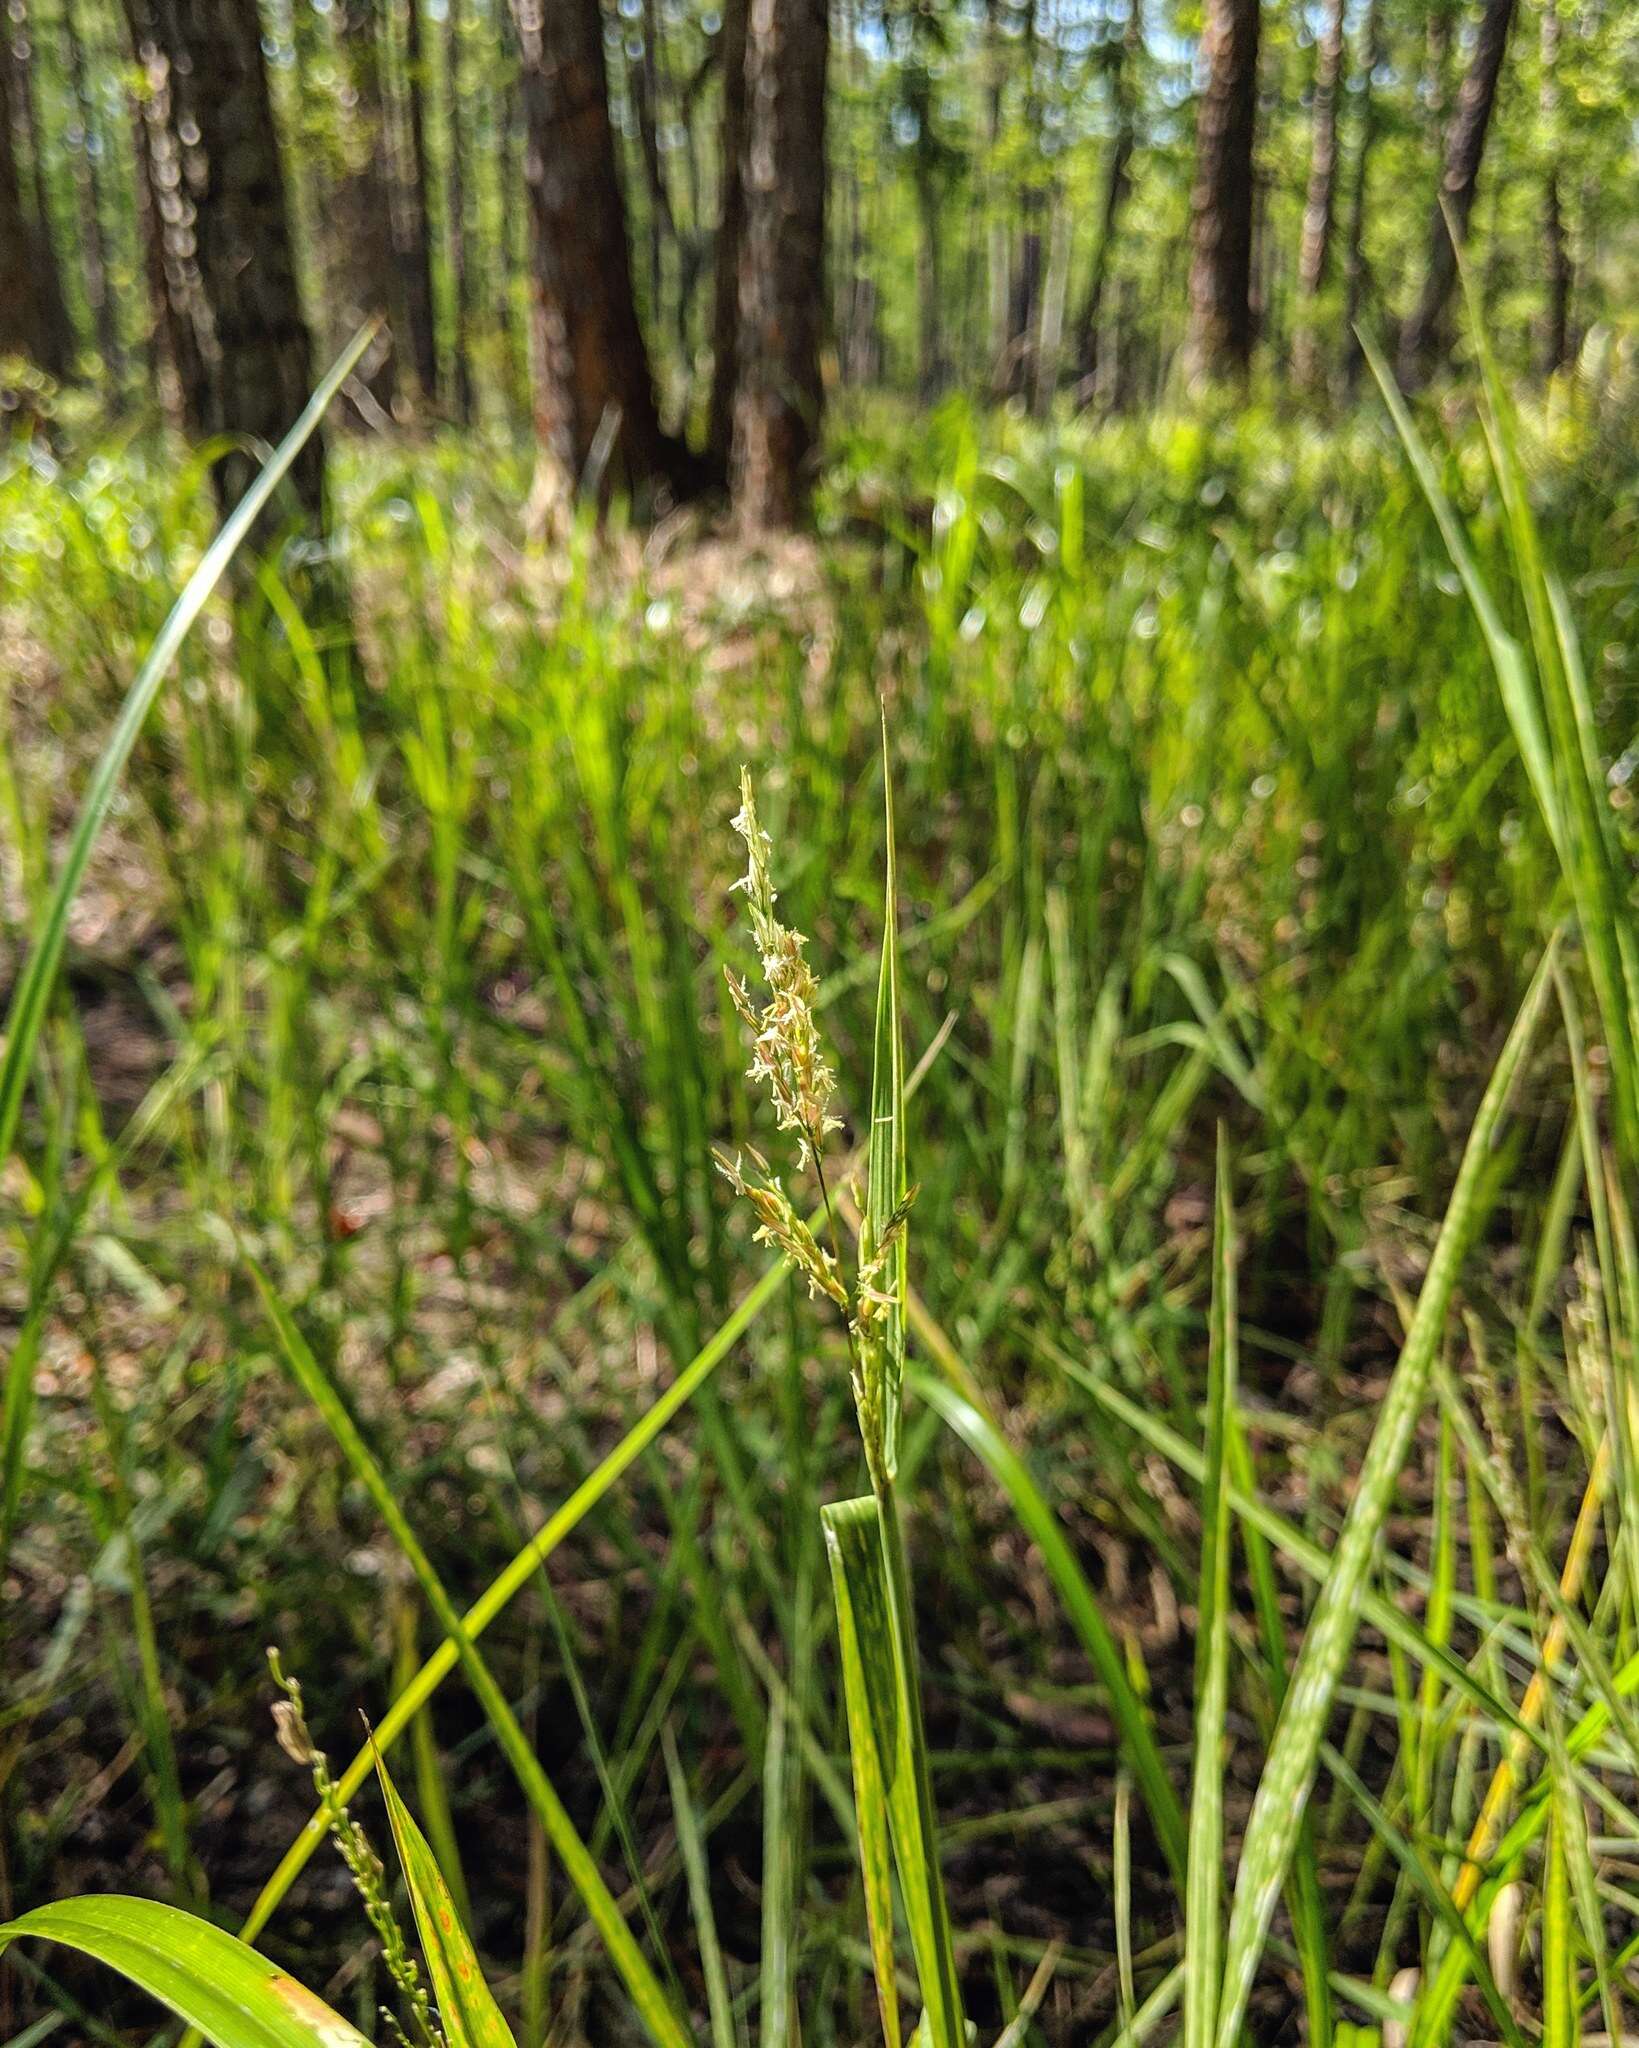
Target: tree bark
[
  {"x": 1315, "y": 245},
  {"x": 1422, "y": 340},
  {"x": 182, "y": 321},
  {"x": 1556, "y": 322},
  {"x": 731, "y": 216},
  {"x": 55, "y": 342},
  {"x": 88, "y": 187},
  {"x": 23, "y": 324},
  {"x": 595, "y": 368},
  {"x": 1221, "y": 200},
  {"x": 411, "y": 234},
  {"x": 1117, "y": 185},
  {"x": 365, "y": 282},
  {"x": 781, "y": 398},
  {"x": 255, "y": 361},
  {"x": 460, "y": 272},
  {"x": 1354, "y": 249}
]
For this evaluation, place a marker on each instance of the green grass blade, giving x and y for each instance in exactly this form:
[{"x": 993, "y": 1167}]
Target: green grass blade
[
  {"x": 885, "y": 1182},
  {"x": 660, "y": 2018},
  {"x": 1288, "y": 1773},
  {"x": 508, "y": 1583},
  {"x": 1559, "y": 2002},
  {"x": 466, "y": 2006},
  {"x": 691, "y": 1845},
  {"x": 1132, "y": 1721},
  {"x": 876, "y": 1697},
  {"x": 32, "y": 996},
  {"x": 235, "y": 1997},
  {"x": 1203, "y": 1926}
]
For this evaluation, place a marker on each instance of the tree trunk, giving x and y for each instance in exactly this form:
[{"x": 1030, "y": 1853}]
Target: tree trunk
[
  {"x": 782, "y": 290},
  {"x": 182, "y": 322},
  {"x": 1220, "y": 274},
  {"x": 412, "y": 236},
  {"x": 1556, "y": 323},
  {"x": 1117, "y": 185},
  {"x": 1354, "y": 251},
  {"x": 56, "y": 342},
  {"x": 460, "y": 273},
  {"x": 1315, "y": 247},
  {"x": 99, "y": 290},
  {"x": 1422, "y": 339},
  {"x": 24, "y": 329},
  {"x": 597, "y": 393},
  {"x": 255, "y": 362},
  {"x": 365, "y": 282},
  {"x": 930, "y": 286},
  {"x": 731, "y": 215}
]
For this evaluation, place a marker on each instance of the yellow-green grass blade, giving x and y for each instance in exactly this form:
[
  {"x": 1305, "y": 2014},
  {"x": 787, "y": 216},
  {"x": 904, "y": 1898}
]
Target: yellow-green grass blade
[
  {"x": 1203, "y": 1921},
  {"x": 691, "y": 1846},
  {"x": 1137, "y": 1738},
  {"x": 885, "y": 1183},
  {"x": 871, "y": 1822},
  {"x": 32, "y": 995},
  {"x": 508, "y": 1583},
  {"x": 1288, "y": 1773},
  {"x": 233, "y": 1996},
  {"x": 878, "y": 1706},
  {"x": 1560, "y": 2025},
  {"x": 665, "y": 2026},
  {"x": 31, "y": 998},
  {"x": 466, "y": 2006}
]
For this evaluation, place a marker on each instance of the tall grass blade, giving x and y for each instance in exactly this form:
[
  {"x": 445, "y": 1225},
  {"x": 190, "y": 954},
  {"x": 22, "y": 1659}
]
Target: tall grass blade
[
  {"x": 885, "y": 1183},
  {"x": 1203, "y": 1924},
  {"x": 1288, "y": 1774}
]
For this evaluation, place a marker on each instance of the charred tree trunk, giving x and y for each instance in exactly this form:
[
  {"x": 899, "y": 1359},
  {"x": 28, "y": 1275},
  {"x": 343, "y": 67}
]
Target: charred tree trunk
[
  {"x": 365, "y": 284},
  {"x": 1221, "y": 200},
  {"x": 1556, "y": 322},
  {"x": 1315, "y": 247},
  {"x": 1354, "y": 249},
  {"x": 255, "y": 363},
  {"x": 595, "y": 368},
  {"x": 1117, "y": 185},
  {"x": 731, "y": 216},
  {"x": 411, "y": 234},
  {"x": 782, "y": 293},
  {"x": 1422, "y": 340}
]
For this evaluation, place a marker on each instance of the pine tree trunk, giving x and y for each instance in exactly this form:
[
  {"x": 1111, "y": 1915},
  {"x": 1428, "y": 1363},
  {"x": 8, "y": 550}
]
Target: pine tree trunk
[
  {"x": 1117, "y": 185},
  {"x": 1221, "y": 200},
  {"x": 23, "y": 324},
  {"x": 460, "y": 273},
  {"x": 781, "y": 398},
  {"x": 1315, "y": 247},
  {"x": 255, "y": 364},
  {"x": 412, "y": 235},
  {"x": 57, "y": 341},
  {"x": 1422, "y": 340},
  {"x": 1556, "y": 322},
  {"x": 731, "y": 215},
  {"x": 597, "y": 395},
  {"x": 930, "y": 286},
  {"x": 182, "y": 323},
  {"x": 1354, "y": 248},
  {"x": 99, "y": 290},
  {"x": 365, "y": 280}
]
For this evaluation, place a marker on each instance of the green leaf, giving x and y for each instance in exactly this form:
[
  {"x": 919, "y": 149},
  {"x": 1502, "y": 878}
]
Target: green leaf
[
  {"x": 1288, "y": 1774},
  {"x": 1036, "y": 1516},
  {"x": 466, "y": 2009},
  {"x": 885, "y": 1183},
  {"x": 1203, "y": 1926},
  {"x": 884, "y": 1731},
  {"x": 235, "y": 1997}
]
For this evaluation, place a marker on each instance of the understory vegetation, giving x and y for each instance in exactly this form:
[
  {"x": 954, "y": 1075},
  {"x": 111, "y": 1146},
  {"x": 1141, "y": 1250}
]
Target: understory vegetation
[{"x": 1253, "y": 1236}]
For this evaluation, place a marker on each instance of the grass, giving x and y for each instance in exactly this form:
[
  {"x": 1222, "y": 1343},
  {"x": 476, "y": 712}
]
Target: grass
[{"x": 1239, "y": 1606}]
